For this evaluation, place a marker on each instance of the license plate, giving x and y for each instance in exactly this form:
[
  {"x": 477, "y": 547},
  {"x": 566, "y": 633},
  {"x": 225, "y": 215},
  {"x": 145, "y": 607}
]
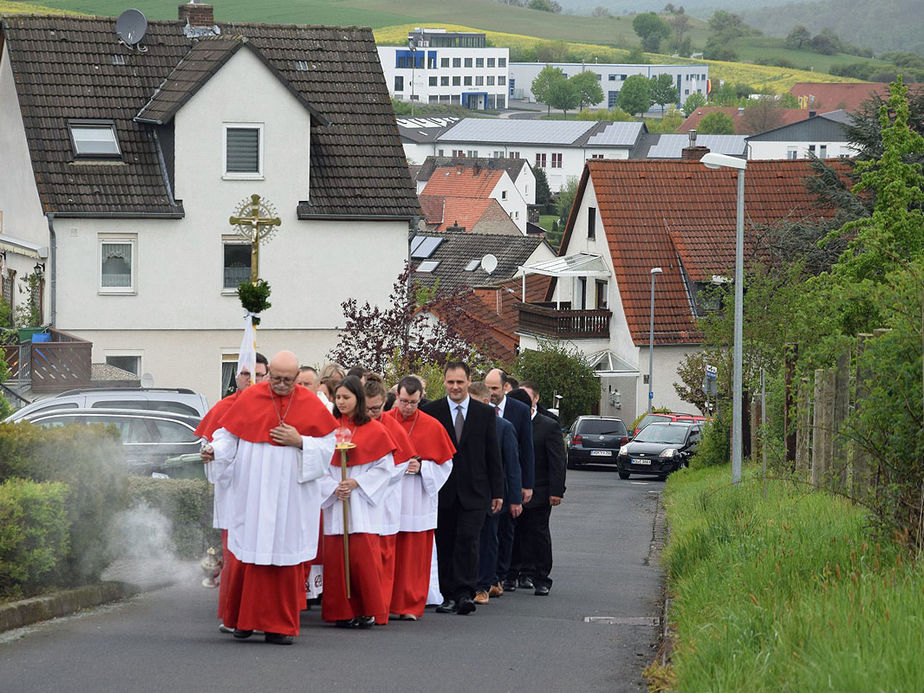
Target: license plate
[
  {"x": 639, "y": 461},
  {"x": 601, "y": 453}
]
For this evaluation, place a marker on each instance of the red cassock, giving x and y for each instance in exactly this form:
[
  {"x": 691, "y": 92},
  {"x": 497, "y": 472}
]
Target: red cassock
[
  {"x": 366, "y": 594},
  {"x": 414, "y": 549},
  {"x": 269, "y": 597},
  {"x": 207, "y": 426}
]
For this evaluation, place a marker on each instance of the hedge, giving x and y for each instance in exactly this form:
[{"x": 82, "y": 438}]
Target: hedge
[
  {"x": 34, "y": 531},
  {"x": 187, "y": 503}
]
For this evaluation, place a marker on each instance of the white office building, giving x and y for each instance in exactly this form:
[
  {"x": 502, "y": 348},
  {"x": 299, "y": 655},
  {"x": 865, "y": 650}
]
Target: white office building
[
  {"x": 442, "y": 67},
  {"x": 688, "y": 79}
]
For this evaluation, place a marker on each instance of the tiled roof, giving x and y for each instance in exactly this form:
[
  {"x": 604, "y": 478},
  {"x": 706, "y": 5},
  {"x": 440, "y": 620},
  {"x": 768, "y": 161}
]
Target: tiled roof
[
  {"x": 513, "y": 167},
  {"x": 786, "y": 116},
  {"x": 488, "y": 317},
  {"x": 833, "y": 95},
  {"x": 458, "y": 250},
  {"x": 672, "y": 213},
  {"x": 441, "y": 212},
  {"x": 462, "y": 182},
  {"x": 64, "y": 68}
]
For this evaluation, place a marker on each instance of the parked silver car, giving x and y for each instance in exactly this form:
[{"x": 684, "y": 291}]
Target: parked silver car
[{"x": 175, "y": 400}]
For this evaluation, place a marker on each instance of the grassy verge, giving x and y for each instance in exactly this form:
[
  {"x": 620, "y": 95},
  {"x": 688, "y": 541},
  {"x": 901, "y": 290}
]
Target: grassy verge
[{"x": 786, "y": 593}]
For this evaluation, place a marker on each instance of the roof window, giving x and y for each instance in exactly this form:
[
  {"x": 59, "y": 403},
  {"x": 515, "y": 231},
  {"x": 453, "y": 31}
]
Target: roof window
[
  {"x": 94, "y": 139},
  {"x": 472, "y": 265},
  {"x": 422, "y": 247},
  {"x": 428, "y": 265}
]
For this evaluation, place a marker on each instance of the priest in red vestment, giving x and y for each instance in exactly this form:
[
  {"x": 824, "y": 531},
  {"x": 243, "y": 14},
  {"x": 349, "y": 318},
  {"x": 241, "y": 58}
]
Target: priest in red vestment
[
  {"x": 271, "y": 456},
  {"x": 419, "y": 499}
]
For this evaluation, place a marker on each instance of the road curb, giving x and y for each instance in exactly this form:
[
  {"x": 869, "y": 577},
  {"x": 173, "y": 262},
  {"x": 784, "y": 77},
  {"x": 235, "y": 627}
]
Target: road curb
[{"x": 36, "y": 609}]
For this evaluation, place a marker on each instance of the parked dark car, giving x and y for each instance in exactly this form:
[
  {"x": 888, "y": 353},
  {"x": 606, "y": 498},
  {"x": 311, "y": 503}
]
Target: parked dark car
[
  {"x": 149, "y": 438},
  {"x": 595, "y": 440},
  {"x": 659, "y": 449},
  {"x": 666, "y": 417}
]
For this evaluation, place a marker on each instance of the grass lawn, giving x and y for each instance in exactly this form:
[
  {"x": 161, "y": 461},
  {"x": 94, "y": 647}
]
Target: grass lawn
[{"x": 787, "y": 593}]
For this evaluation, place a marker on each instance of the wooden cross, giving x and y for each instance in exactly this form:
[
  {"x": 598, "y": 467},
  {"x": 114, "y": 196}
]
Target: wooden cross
[{"x": 258, "y": 229}]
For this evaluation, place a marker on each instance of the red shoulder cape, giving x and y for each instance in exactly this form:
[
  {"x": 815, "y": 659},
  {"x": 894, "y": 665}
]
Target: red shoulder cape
[
  {"x": 209, "y": 423},
  {"x": 372, "y": 443},
  {"x": 405, "y": 449},
  {"x": 257, "y": 410},
  {"x": 429, "y": 438}
]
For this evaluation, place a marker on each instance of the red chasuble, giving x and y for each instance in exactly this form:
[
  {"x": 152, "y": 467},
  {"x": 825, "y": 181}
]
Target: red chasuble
[
  {"x": 429, "y": 438},
  {"x": 405, "y": 449},
  {"x": 258, "y": 410},
  {"x": 209, "y": 423},
  {"x": 371, "y": 439}
]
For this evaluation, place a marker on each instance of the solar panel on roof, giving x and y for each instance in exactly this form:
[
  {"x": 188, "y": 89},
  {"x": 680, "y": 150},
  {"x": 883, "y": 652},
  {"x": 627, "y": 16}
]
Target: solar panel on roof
[{"x": 423, "y": 246}]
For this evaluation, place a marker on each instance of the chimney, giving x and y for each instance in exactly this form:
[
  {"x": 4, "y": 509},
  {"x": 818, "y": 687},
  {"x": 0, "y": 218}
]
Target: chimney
[
  {"x": 197, "y": 14},
  {"x": 694, "y": 153},
  {"x": 692, "y": 134}
]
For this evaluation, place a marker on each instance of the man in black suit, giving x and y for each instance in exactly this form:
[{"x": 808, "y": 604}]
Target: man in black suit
[
  {"x": 535, "y": 550},
  {"x": 519, "y": 415},
  {"x": 475, "y": 487}
]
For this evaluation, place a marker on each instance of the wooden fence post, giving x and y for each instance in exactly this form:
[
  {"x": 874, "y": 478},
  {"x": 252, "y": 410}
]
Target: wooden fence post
[
  {"x": 804, "y": 427},
  {"x": 861, "y": 473},
  {"x": 823, "y": 425},
  {"x": 789, "y": 430},
  {"x": 755, "y": 428},
  {"x": 840, "y": 404}
]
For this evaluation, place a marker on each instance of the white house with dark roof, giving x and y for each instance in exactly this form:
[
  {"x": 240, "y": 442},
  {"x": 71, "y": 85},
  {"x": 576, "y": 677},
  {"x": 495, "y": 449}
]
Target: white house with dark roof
[
  {"x": 823, "y": 135},
  {"x": 133, "y": 160}
]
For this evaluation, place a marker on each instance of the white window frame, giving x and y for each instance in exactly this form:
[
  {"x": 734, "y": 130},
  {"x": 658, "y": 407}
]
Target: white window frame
[
  {"x": 121, "y": 240},
  {"x": 226, "y": 241},
  {"x": 261, "y": 150},
  {"x": 130, "y": 353},
  {"x": 101, "y": 126}
]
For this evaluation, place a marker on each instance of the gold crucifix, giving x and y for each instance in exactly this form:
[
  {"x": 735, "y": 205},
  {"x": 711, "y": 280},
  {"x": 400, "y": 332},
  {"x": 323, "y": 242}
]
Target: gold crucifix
[{"x": 255, "y": 221}]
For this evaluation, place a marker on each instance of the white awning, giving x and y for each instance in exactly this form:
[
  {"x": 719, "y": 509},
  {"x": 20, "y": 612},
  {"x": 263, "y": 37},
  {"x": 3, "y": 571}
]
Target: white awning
[
  {"x": 577, "y": 265},
  {"x": 21, "y": 247}
]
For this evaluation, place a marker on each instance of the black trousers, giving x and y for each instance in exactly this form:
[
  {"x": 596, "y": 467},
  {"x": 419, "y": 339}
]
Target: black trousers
[
  {"x": 457, "y": 537},
  {"x": 535, "y": 542}
]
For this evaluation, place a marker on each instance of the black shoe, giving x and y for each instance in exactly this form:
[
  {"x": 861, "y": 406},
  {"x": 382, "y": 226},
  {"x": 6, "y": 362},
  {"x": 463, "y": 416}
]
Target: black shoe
[
  {"x": 525, "y": 583},
  {"x": 345, "y": 623},
  {"x": 447, "y": 607},
  {"x": 542, "y": 590},
  {"x": 465, "y": 606},
  {"x": 363, "y": 622},
  {"x": 279, "y": 638},
  {"x": 242, "y": 634},
  {"x": 510, "y": 585}
]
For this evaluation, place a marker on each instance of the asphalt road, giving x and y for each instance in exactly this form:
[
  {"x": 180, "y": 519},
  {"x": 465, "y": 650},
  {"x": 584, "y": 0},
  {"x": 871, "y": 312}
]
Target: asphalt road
[{"x": 167, "y": 640}]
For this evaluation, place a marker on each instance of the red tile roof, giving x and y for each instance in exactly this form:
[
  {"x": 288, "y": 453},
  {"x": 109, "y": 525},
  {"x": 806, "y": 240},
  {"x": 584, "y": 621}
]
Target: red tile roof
[
  {"x": 788, "y": 116},
  {"x": 462, "y": 182},
  {"x": 441, "y": 211},
  {"x": 672, "y": 213},
  {"x": 830, "y": 96}
]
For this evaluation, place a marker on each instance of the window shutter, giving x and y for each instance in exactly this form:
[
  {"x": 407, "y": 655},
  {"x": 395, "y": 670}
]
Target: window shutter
[{"x": 243, "y": 154}]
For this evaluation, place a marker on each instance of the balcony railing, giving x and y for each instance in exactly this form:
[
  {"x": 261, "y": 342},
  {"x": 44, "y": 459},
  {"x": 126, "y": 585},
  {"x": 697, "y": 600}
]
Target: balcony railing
[
  {"x": 59, "y": 364},
  {"x": 545, "y": 320}
]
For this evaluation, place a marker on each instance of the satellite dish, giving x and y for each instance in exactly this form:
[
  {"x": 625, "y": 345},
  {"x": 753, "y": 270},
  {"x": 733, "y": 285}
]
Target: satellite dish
[
  {"x": 131, "y": 26},
  {"x": 147, "y": 380},
  {"x": 489, "y": 263}
]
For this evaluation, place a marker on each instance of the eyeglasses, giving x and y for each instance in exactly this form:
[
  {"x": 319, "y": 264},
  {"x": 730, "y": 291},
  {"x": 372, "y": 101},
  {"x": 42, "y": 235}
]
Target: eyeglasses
[
  {"x": 408, "y": 403},
  {"x": 246, "y": 374},
  {"x": 278, "y": 379},
  {"x": 375, "y": 409}
]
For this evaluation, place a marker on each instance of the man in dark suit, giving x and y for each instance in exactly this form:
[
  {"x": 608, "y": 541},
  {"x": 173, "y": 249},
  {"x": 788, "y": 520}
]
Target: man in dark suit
[
  {"x": 535, "y": 554},
  {"x": 475, "y": 487},
  {"x": 519, "y": 415},
  {"x": 513, "y": 499}
]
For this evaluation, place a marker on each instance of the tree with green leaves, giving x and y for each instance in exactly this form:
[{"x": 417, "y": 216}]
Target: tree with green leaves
[
  {"x": 564, "y": 95},
  {"x": 543, "y": 192},
  {"x": 541, "y": 86},
  {"x": 560, "y": 370},
  {"x": 651, "y": 29},
  {"x": 588, "y": 88},
  {"x": 566, "y": 199},
  {"x": 635, "y": 95},
  {"x": 798, "y": 38},
  {"x": 663, "y": 90},
  {"x": 694, "y": 101},
  {"x": 716, "y": 123}
]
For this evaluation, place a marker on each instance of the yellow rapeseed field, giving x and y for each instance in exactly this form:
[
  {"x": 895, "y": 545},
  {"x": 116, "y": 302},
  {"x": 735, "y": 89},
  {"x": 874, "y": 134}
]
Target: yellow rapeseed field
[
  {"x": 767, "y": 78},
  {"x": 27, "y": 8}
]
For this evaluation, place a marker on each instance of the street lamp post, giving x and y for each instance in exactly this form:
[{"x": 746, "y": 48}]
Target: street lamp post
[
  {"x": 714, "y": 160},
  {"x": 654, "y": 271}
]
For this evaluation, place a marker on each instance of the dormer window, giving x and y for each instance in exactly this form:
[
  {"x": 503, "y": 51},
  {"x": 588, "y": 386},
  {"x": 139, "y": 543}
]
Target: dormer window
[
  {"x": 94, "y": 139},
  {"x": 243, "y": 150}
]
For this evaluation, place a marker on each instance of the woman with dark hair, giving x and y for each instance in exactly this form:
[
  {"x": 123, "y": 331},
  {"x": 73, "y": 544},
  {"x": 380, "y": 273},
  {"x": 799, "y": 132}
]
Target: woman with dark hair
[{"x": 370, "y": 473}]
